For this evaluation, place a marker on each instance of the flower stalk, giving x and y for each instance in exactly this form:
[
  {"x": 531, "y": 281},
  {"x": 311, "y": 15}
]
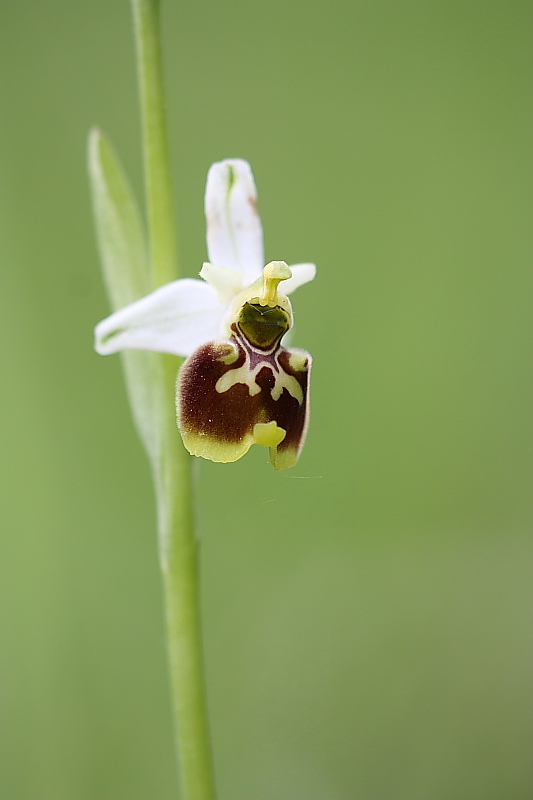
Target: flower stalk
[{"x": 178, "y": 545}]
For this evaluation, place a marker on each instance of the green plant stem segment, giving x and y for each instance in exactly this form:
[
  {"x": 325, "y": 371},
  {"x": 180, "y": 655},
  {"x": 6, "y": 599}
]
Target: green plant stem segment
[
  {"x": 159, "y": 202},
  {"x": 172, "y": 467}
]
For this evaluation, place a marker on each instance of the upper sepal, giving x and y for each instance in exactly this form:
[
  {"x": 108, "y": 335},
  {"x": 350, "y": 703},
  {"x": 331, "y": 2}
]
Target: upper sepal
[{"x": 234, "y": 231}]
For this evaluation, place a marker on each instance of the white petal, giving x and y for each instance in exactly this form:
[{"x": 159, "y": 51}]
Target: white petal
[
  {"x": 301, "y": 273},
  {"x": 226, "y": 282},
  {"x": 176, "y": 319},
  {"x": 234, "y": 232}
]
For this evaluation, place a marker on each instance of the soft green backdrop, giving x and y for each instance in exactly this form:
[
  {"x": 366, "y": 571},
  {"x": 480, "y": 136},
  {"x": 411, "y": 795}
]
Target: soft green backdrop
[{"x": 368, "y": 613}]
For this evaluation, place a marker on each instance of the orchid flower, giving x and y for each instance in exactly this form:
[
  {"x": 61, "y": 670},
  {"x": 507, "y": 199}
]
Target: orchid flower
[{"x": 239, "y": 385}]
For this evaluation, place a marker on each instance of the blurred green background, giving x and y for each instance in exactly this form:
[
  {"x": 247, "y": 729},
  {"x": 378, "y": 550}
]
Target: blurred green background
[{"x": 367, "y": 614}]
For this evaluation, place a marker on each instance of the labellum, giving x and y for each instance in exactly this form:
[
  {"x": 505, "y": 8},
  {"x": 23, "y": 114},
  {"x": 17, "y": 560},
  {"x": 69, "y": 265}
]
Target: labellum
[{"x": 248, "y": 389}]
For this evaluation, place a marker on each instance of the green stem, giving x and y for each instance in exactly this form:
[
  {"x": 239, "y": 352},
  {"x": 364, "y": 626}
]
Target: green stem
[
  {"x": 172, "y": 472},
  {"x": 179, "y": 562},
  {"x": 159, "y": 202}
]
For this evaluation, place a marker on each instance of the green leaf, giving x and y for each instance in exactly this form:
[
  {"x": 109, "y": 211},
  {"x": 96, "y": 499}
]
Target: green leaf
[
  {"x": 119, "y": 228},
  {"x": 124, "y": 256}
]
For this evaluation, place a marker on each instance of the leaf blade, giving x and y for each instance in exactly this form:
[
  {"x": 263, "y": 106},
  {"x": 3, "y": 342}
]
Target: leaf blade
[{"x": 123, "y": 253}]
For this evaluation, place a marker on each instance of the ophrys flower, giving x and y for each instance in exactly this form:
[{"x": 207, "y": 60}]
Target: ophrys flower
[{"x": 239, "y": 384}]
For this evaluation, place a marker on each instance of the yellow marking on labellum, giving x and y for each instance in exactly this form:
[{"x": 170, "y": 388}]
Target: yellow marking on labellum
[
  {"x": 238, "y": 375},
  {"x": 216, "y": 449},
  {"x": 232, "y": 355},
  {"x": 247, "y": 376},
  {"x": 284, "y": 459},
  {"x": 268, "y": 434},
  {"x": 298, "y": 360}
]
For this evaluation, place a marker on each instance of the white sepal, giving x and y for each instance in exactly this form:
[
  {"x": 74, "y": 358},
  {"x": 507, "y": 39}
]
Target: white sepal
[
  {"x": 234, "y": 232},
  {"x": 177, "y": 318}
]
